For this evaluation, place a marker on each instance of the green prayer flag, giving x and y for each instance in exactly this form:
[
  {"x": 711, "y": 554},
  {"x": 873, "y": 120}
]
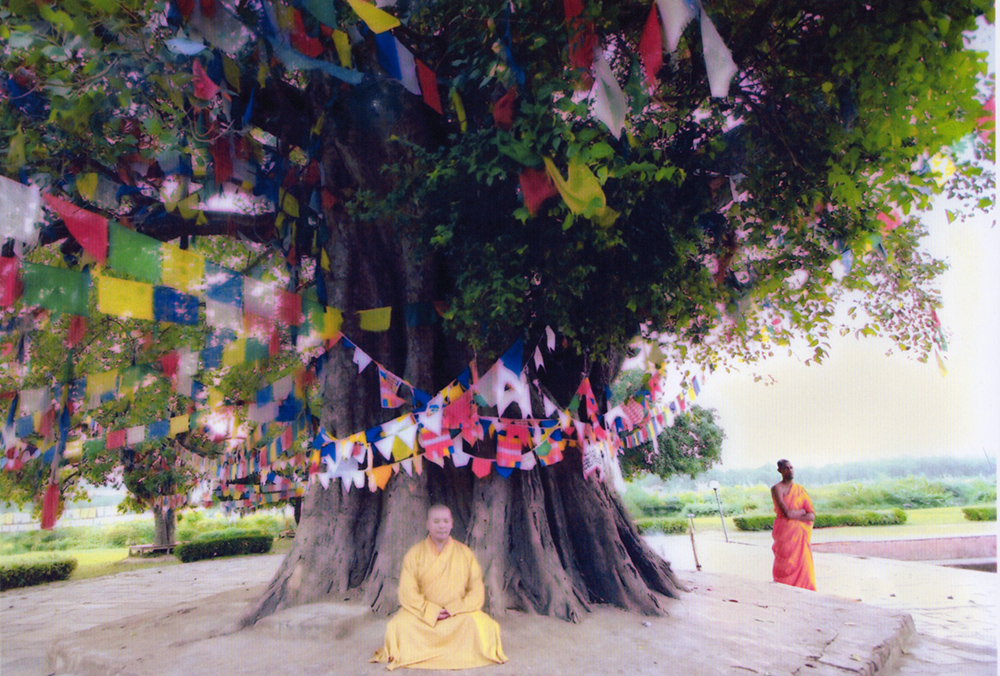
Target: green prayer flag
[
  {"x": 134, "y": 253},
  {"x": 56, "y": 289}
]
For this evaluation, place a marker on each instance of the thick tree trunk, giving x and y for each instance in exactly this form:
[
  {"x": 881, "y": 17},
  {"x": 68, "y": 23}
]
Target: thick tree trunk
[
  {"x": 549, "y": 541},
  {"x": 164, "y": 526}
]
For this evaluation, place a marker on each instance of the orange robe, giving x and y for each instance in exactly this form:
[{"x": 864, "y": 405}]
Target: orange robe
[
  {"x": 432, "y": 580},
  {"x": 793, "y": 561}
]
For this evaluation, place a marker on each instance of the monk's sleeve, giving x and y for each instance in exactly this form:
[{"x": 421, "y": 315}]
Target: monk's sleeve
[
  {"x": 410, "y": 596},
  {"x": 474, "y": 595}
]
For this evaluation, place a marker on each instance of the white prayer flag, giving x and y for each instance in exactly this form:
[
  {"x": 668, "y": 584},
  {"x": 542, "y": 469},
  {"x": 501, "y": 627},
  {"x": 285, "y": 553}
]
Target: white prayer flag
[{"x": 20, "y": 210}]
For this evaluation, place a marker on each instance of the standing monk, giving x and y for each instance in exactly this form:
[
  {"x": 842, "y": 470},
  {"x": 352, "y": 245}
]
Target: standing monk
[
  {"x": 793, "y": 521},
  {"x": 441, "y": 624}
]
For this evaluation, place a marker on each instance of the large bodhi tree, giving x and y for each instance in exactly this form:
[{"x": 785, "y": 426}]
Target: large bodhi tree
[{"x": 758, "y": 209}]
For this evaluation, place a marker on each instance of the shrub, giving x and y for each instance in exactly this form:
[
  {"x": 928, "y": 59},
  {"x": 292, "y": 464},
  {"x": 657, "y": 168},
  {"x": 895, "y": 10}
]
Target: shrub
[
  {"x": 984, "y": 513},
  {"x": 661, "y": 524},
  {"x": 16, "y": 575},
  {"x": 230, "y": 542},
  {"x": 828, "y": 519}
]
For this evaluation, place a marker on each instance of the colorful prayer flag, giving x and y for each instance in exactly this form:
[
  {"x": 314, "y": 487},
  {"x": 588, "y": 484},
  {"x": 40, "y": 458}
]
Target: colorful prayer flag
[
  {"x": 376, "y": 320},
  {"x": 88, "y": 228},
  {"x": 376, "y": 19},
  {"x": 183, "y": 269},
  {"x": 56, "y": 289},
  {"x": 124, "y": 298},
  {"x": 133, "y": 253}
]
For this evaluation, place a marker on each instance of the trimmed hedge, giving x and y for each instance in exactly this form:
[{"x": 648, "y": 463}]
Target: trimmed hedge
[
  {"x": 232, "y": 543},
  {"x": 985, "y": 513},
  {"x": 17, "y": 575},
  {"x": 661, "y": 524},
  {"x": 888, "y": 517}
]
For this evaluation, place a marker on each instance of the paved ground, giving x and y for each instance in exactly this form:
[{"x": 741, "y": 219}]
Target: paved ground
[{"x": 181, "y": 619}]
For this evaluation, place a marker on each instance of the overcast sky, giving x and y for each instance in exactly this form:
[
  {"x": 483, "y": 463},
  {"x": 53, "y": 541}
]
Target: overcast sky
[{"x": 862, "y": 404}]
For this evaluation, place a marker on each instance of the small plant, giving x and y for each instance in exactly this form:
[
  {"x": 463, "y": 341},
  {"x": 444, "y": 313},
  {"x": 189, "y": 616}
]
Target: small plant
[
  {"x": 233, "y": 542},
  {"x": 983, "y": 513},
  {"x": 28, "y": 574}
]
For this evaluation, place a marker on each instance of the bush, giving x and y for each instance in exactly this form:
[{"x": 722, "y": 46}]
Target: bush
[
  {"x": 17, "y": 575},
  {"x": 661, "y": 524},
  {"x": 641, "y": 502},
  {"x": 984, "y": 513},
  {"x": 230, "y": 542},
  {"x": 828, "y": 520}
]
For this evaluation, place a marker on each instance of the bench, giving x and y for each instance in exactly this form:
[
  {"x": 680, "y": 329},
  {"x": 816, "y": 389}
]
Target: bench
[
  {"x": 139, "y": 550},
  {"x": 286, "y": 534}
]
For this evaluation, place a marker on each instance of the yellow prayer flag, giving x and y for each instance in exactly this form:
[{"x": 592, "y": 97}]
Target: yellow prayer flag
[
  {"x": 324, "y": 260},
  {"x": 581, "y": 190},
  {"x": 343, "y": 45},
  {"x": 456, "y": 101},
  {"x": 375, "y": 320},
  {"x": 182, "y": 269},
  {"x": 376, "y": 19},
  {"x": 332, "y": 319},
  {"x": 178, "y": 424},
  {"x": 215, "y": 397},
  {"x": 86, "y": 185},
  {"x": 381, "y": 475},
  {"x": 124, "y": 298},
  {"x": 235, "y": 352},
  {"x": 100, "y": 383}
]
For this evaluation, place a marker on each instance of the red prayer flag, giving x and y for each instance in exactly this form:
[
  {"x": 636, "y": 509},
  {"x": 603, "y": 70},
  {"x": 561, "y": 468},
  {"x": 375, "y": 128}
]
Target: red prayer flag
[
  {"x": 536, "y": 187},
  {"x": 185, "y": 7},
  {"x": 115, "y": 439},
  {"x": 301, "y": 40},
  {"x": 503, "y": 109},
  {"x": 10, "y": 285},
  {"x": 77, "y": 330},
  {"x": 429, "y": 86},
  {"x": 204, "y": 88},
  {"x": 208, "y": 8},
  {"x": 89, "y": 229},
  {"x": 50, "y": 505},
  {"x": 651, "y": 46},
  {"x": 170, "y": 362},
  {"x": 290, "y": 308},
  {"x": 222, "y": 159},
  {"x": 582, "y": 40}
]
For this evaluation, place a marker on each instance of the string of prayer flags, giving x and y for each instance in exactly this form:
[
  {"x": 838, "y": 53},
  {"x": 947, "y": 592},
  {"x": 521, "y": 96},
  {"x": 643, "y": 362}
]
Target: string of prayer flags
[
  {"x": 21, "y": 211},
  {"x": 389, "y": 384},
  {"x": 89, "y": 229}
]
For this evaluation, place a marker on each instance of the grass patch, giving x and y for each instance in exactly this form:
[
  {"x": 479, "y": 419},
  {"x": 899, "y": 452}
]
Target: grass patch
[{"x": 984, "y": 513}]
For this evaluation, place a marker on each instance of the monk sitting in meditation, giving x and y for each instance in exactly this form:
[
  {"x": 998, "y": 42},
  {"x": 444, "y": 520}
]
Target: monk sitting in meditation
[
  {"x": 793, "y": 522},
  {"x": 441, "y": 624}
]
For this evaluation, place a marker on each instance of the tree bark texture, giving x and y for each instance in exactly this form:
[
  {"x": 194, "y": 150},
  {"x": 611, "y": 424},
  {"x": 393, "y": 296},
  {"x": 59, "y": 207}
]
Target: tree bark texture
[
  {"x": 164, "y": 526},
  {"x": 549, "y": 541}
]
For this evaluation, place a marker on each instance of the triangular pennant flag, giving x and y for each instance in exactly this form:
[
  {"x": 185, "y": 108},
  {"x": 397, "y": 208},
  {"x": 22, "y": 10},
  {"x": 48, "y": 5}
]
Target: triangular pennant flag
[
  {"x": 381, "y": 475},
  {"x": 361, "y": 359},
  {"x": 527, "y": 462},
  {"x": 675, "y": 15},
  {"x": 651, "y": 46},
  {"x": 718, "y": 59},
  {"x": 482, "y": 467},
  {"x": 610, "y": 105}
]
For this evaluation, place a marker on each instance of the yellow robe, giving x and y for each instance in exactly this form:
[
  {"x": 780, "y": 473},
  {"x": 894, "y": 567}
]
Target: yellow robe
[
  {"x": 430, "y": 581},
  {"x": 793, "y": 561}
]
